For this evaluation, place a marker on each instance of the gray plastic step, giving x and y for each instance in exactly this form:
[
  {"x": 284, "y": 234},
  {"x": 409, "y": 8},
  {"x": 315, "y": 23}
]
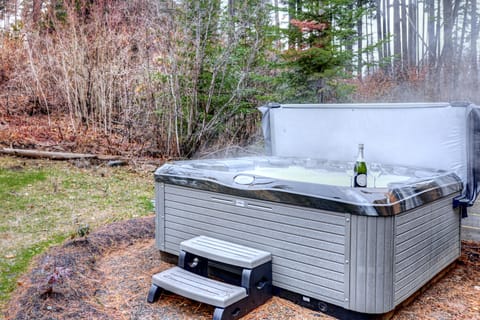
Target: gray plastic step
[
  {"x": 198, "y": 288},
  {"x": 226, "y": 252}
]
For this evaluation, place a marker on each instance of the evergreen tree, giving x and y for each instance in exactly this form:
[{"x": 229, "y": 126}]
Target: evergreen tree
[{"x": 325, "y": 34}]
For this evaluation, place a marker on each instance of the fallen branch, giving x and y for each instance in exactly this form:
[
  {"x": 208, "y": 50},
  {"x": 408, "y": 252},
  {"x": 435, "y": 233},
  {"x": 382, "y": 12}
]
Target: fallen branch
[{"x": 55, "y": 155}]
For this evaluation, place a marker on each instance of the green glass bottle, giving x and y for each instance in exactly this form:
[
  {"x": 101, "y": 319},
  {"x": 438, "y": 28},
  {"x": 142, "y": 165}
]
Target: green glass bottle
[{"x": 360, "y": 170}]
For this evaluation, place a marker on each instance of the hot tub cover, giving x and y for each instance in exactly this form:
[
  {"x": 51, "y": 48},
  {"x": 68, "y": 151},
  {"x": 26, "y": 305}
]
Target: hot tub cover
[
  {"x": 313, "y": 183},
  {"x": 438, "y": 135}
]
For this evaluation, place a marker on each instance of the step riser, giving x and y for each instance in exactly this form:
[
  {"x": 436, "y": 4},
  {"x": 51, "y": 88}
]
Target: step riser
[{"x": 249, "y": 269}]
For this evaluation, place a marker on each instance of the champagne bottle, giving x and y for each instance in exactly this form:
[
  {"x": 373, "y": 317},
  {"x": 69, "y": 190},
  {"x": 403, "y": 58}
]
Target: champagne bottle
[{"x": 360, "y": 170}]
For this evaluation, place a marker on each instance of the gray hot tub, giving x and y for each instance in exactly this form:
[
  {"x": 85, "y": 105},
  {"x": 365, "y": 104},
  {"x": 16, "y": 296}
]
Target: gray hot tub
[
  {"x": 334, "y": 246},
  {"x": 364, "y": 250}
]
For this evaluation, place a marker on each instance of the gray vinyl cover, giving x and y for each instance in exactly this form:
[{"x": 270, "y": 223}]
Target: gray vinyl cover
[{"x": 430, "y": 135}]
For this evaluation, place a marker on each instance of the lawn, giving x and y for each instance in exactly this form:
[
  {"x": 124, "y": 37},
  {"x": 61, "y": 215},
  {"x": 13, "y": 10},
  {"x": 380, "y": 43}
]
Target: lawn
[{"x": 44, "y": 202}]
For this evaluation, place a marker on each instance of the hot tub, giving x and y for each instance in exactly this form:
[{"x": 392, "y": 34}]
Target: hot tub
[
  {"x": 333, "y": 247},
  {"x": 364, "y": 249}
]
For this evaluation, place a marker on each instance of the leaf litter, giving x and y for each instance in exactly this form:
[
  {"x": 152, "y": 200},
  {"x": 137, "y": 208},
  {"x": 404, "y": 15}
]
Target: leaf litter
[{"x": 109, "y": 274}]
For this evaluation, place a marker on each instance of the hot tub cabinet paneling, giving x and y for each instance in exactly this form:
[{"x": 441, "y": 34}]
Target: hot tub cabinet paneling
[
  {"x": 392, "y": 257},
  {"x": 371, "y": 259},
  {"x": 362, "y": 263},
  {"x": 426, "y": 241},
  {"x": 307, "y": 246}
]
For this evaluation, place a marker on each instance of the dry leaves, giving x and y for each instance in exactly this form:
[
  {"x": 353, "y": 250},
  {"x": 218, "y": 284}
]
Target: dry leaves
[{"x": 112, "y": 272}]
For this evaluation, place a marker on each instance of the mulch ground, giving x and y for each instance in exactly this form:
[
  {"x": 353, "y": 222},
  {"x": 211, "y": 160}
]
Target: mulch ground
[{"x": 107, "y": 276}]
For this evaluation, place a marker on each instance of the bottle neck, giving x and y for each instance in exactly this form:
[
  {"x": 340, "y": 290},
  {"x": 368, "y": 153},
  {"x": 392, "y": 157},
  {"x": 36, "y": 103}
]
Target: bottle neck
[{"x": 360, "y": 157}]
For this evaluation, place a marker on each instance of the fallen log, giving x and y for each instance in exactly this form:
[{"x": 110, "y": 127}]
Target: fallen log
[{"x": 55, "y": 155}]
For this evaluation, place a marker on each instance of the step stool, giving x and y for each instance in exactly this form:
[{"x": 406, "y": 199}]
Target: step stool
[{"x": 246, "y": 275}]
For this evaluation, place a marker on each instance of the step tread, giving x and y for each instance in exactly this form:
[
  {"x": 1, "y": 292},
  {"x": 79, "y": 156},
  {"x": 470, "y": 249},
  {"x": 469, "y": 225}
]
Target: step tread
[
  {"x": 198, "y": 288},
  {"x": 226, "y": 252}
]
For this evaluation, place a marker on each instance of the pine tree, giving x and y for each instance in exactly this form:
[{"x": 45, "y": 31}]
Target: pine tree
[{"x": 326, "y": 35}]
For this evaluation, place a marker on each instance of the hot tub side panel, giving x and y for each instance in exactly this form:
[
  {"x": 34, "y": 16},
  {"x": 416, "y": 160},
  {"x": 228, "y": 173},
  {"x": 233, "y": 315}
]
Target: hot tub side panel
[
  {"x": 426, "y": 241},
  {"x": 308, "y": 246},
  {"x": 371, "y": 264},
  {"x": 160, "y": 216}
]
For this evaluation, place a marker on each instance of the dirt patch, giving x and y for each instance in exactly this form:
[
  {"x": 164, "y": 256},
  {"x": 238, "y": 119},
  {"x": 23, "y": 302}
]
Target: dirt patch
[{"x": 107, "y": 276}]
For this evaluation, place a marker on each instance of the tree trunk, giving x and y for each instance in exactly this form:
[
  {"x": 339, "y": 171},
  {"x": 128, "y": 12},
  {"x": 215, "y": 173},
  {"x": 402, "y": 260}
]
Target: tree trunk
[
  {"x": 447, "y": 51},
  {"x": 459, "y": 53},
  {"x": 231, "y": 7},
  {"x": 349, "y": 45},
  {"x": 404, "y": 23},
  {"x": 360, "y": 40},
  {"x": 294, "y": 10},
  {"x": 412, "y": 33},
  {"x": 438, "y": 31},
  {"x": 397, "y": 42},
  {"x": 277, "y": 24},
  {"x": 367, "y": 43},
  {"x": 386, "y": 33},
  {"x": 46, "y": 154},
  {"x": 432, "y": 38},
  {"x": 36, "y": 11},
  {"x": 473, "y": 45},
  {"x": 378, "y": 16}
]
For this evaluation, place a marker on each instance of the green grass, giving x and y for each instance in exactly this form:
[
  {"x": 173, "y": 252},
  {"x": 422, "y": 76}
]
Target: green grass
[
  {"x": 43, "y": 202},
  {"x": 11, "y": 182}
]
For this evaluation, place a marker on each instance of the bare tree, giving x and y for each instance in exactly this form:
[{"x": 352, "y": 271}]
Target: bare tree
[
  {"x": 458, "y": 68},
  {"x": 473, "y": 45},
  {"x": 432, "y": 43},
  {"x": 411, "y": 20},
  {"x": 404, "y": 24},
  {"x": 386, "y": 31},
  {"x": 447, "y": 50},
  {"x": 360, "y": 40},
  {"x": 36, "y": 11},
  {"x": 379, "y": 16},
  {"x": 397, "y": 40}
]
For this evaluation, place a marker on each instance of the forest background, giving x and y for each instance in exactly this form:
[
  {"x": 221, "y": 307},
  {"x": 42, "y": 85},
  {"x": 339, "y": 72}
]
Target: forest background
[{"x": 178, "y": 78}]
